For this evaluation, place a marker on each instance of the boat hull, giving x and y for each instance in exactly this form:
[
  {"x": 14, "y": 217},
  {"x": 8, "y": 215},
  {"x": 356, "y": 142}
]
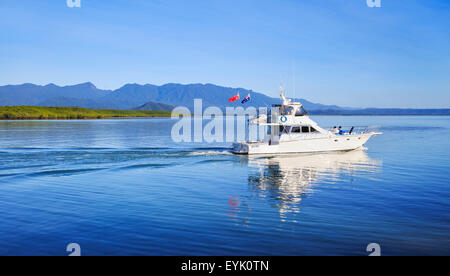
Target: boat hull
[{"x": 311, "y": 145}]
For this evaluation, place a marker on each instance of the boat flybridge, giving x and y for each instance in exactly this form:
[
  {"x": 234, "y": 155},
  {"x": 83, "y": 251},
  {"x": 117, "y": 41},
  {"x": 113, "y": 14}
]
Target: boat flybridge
[{"x": 290, "y": 130}]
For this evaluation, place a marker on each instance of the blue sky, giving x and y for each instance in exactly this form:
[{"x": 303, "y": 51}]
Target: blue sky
[{"x": 332, "y": 51}]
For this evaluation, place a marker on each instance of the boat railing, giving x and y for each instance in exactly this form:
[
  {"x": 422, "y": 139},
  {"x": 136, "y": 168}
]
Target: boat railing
[{"x": 354, "y": 130}]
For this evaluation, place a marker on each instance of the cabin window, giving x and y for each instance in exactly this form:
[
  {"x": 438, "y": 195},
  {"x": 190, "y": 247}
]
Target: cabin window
[
  {"x": 313, "y": 129},
  {"x": 295, "y": 130},
  {"x": 305, "y": 129}
]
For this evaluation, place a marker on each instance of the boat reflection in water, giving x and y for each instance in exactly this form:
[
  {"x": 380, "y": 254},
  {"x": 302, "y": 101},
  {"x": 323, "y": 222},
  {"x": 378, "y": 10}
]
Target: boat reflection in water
[{"x": 289, "y": 178}]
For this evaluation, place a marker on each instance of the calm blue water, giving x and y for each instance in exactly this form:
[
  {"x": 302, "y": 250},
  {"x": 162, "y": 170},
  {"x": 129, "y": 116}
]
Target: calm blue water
[{"x": 122, "y": 187}]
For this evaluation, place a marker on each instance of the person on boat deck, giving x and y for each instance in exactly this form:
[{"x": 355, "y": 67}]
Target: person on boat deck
[
  {"x": 340, "y": 130},
  {"x": 335, "y": 131}
]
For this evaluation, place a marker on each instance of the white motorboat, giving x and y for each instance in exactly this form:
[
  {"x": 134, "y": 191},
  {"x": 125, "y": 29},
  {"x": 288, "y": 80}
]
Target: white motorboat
[{"x": 291, "y": 130}]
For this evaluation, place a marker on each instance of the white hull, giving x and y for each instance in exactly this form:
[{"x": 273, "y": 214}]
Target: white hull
[{"x": 306, "y": 145}]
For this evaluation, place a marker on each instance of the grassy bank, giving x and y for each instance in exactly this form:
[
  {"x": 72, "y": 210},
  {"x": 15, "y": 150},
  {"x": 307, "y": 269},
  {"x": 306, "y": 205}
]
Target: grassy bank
[{"x": 70, "y": 113}]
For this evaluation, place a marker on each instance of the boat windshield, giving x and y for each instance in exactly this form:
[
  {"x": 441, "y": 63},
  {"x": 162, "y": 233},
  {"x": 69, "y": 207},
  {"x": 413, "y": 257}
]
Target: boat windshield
[
  {"x": 301, "y": 111},
  {"x": 293, "y": 110},
  {"x": 287, "y": 110}
]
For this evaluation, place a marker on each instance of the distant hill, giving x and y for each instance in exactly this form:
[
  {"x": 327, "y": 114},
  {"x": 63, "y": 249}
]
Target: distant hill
[
  {"x": 30, "y": 94},
  {"x": 155, "y": 107},
  {"x": 69, "y": 102}
]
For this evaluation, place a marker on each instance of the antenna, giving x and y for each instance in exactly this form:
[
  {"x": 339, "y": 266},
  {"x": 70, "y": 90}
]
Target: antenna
[
  {"x": 293, "y": 77},
  {"x": 283, "y": 98}
]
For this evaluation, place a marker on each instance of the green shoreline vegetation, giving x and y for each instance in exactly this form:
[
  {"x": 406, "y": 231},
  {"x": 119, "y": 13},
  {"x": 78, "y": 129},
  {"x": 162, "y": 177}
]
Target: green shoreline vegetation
[{"x": 71, "y": 113}]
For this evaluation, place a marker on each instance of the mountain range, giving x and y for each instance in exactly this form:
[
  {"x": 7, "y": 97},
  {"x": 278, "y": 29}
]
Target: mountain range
[
  {"x": 133, "y": 96},
  {"x": 166, "y": 97}
]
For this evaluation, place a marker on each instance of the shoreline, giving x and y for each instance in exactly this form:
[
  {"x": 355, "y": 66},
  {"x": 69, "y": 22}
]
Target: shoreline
[
  {"x": 81, "y": 119},
  {"x": 73, "y": 113}
]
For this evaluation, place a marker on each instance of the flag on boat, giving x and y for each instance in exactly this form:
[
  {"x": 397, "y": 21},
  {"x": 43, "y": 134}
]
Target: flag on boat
[
  {"x": 234, "y": 98},
  {"x": 246, "y": 99}
]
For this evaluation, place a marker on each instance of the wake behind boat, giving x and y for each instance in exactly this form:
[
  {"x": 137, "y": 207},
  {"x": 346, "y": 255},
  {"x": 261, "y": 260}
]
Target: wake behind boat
[{"x": 290, "y": 130}]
